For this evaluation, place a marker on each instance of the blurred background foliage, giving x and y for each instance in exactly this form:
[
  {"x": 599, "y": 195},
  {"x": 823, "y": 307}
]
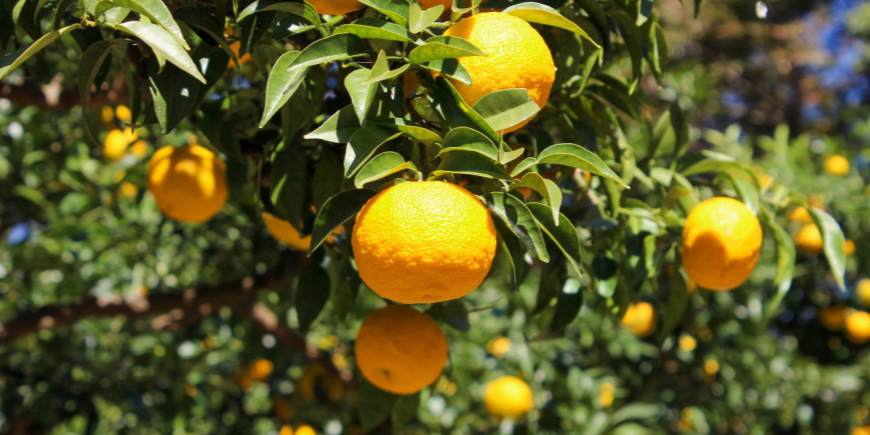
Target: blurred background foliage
[{"x": 754, "y": 78}]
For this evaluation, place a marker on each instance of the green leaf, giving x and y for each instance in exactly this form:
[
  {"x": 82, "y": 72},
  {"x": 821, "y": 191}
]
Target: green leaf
[
  {"x": 681, "y": 129},
  {"x": 281, "y": 85},
  {"x": 506, "y": 108},
  {"x": 396, "y": 10},
  {"x": 327, "y": 179},
  {"x": 833, "y": 243},
  {"x": 473, "y": 140},
  {"x": 463, "y": 161},
  {"x": 174, "y": 93},
  {"x": 375, "y": 405},
  {"x": 605, "y": 270},
  {"x": 380, "y": 166},
  {"x": 16, "y": 58},
  {"x": 711, "y": 165},
  {"x": 453, "y": 313},
  {"x": 443, "y": 47},
  {"x": 455, "y": 112},
  {"x": 657, "y": 52},
  {"x": 361, "y": 94},
  {"x": 567, "y": 308},
  {"x": 746, "y": 191},
  {"x": 156, "y": 11},
  {"x": 363, "y": 144},
  {"x": 450, "y": 68},
  {"x": 548, "y": 190},
  {"x": 339, "y": 128},
  {"x": 563, "y": 234},
  {"x": 304, "y": 10},
  {"x": 677, "y": 302},
  {"x": 409, "y": 128},
  {"x": 576, "y": 156},
  {"x": 419, "y": 20},
  {"x": 335, "y": 212},
  {"x": 373, "y": 28},
  {"x": 381, "y": 70},
  {"x": 312, "y": 292},
  {"x": 527, "y": 163},
  {"x": 542, "y": 14},
  {"x": 288, "y": 178},
  {"x": 510, "y": 245},
  {"x": 633, "y": 41},
  {"x": 590, "y": 64},
  {"x": 521, "y": 222},
  {"x": 89, "y": 67},
  {"x": 785, "y": 262},
  {"x": 329, "y": 49},
  {"x": 163, "y": 44},
  {"x": 404, "y": 410}
]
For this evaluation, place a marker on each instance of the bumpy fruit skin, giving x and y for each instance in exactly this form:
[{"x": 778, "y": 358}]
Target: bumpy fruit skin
[
  {"x": 809, "y": 239},
  {"x": 837, "y": 166},
  {"x": 283, "y": 231},
  {"x": 721, "y": 243},
  {"x": 423, "y": 242},
  {"x": 640, "y": 319},
  {"x": 858, "y": 327},
  {"x": 516, "y": 57},
  {"x": 189, "y": 183},
  {"x": 508, "y": 396},
  {"x": 335, "y": 7},
  {"x": 400, "y": 349}
]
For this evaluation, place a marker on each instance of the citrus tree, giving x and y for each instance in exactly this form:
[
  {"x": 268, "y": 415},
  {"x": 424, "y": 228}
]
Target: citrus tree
[{"x": 389, "y": 215}]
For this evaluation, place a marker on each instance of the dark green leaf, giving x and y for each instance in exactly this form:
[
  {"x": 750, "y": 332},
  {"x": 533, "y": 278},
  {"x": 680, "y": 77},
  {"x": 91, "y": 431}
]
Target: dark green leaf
[
  {"x": 453, "y": 313},
  {"x": 156, "y": 11},
  {"x": 312, "y": 292},
  {"x": 576, "y": 156},
  {"x": 520, "y": 220},
  {"x": 163, "y": 44},
  {"x": 785, "y": 262},
  {"x": 281, "y": 85},
  {"x": 404, "y": 410},
  {"x": 506, "y": 108},
  {"x": 380, "y": 166},
  {"x": 455, "y": 112},
  {"x": 463, "y": 161},
  {"x": 375, "y": 405},
  {"x": 373, "y": 28},
  {"x": 510, "y": 246},
  {"x": 450, "y": 68},
  {"x": 335, "y": 212},
  {"x": 361, "y": 94},
  {"x": 362, "y": 146},
  {"x": 16, "y": 58},
  {"x": 473, "y": 140},
  {"x": 563, "y": 234},
  {"x": 410, "y": 129},
  {"x": 833, "y": 244},
  {"x": 329, "y": 49},
  {"x": 677, "y": 302},
  {"x": 304, "y": 10},
  {"x": 339, "y": 128},
  {"x": 288, "y": 178},
  {"x": 174, "y": 93},
  {"x": 327, "y": 179},
  {"x": 443, "y": 47},
  {"x": 92, "y": 61},
  {"x": 548, "y": 190},
  {"x": 605, "y": 270}
]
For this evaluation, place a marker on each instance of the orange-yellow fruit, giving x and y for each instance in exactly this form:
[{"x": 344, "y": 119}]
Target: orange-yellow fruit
[
  {"x": 236, "y": 46},
  {"x": 117, "y": 141},
  {"x": 107, "y": 114},
  {"x": 283, "y": 231},
  {"x": 260, "y": 369},
  {"x": 863, "y": 430},
  {"x": 516, "y": 57},
  {"x": 423, "y": 242},
  {"x": 189, "y": 183},
  {"x": 286, "y": 430},
  {"x": 640, "y": 319},
  {"x": 305, "y": 430},
  {"x": 123, "y": 114},
  {"x": 400, "y": 350},
  {"x": 809, "y": 239},
  {"x": 862, "y": 290},
  {"x": 858, "y": 326},
  {"x": 721, "y": 242},
  {"x": 849, "y": 247},
  {"x": 498, "y": 346},
  {"x": 335, "y": 7},
  {"x": 833, "y": 318},
  {"x": 128, "y": 189},
  {"x": 800, "y": 214},
  {"x": 508, "y": 397},
  {"x": 837, "y": 166}
]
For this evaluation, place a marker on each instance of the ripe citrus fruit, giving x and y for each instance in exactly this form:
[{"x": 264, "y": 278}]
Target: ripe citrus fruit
[
  {"x": 809, "y": 239},
  {"x": 862, "y": 290},
  {"x": 117, "y": 141},
  {"x": 640, "y": 319},
  {"x": 721, "y": 242},
  {"x": 800, "y": 214},
  {"x": 837, "y": 166},
  {"x": 833, "y": 317},
  {"x": 862, "y": 430},
  {"x": 400, "y": 349},
  {"x": 123, "y": 114},
  {"x": 858, "y": 326},
  {"x": 305, "y": 430},
  {"x": 335, "y": 7},
  {"x": 498, "y": 346},
  {"x": 423, "y": 242},
  {"x": 508, "y": 396},
  {"x": 848, "y": 247},
  {"x": 516, "y": 57},
  {"x": 236, "y": 46},
  {"x": 260, "y": 369},
  {"x": 189, "y": 183},
  {"x": 283, "y": 231}
]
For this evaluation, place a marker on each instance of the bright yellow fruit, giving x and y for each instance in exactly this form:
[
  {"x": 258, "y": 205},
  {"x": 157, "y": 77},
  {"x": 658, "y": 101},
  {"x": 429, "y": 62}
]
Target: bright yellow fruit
[
  {"x": 858, "y": 326},
  {"x": 516, "y": 57},
  {"x": 335, "y": 7},
  {"x": 863, "y": 430},
  {"x": 283, "y": 231},
  {"x": 305, "y": 430},
  {"x": 508, "y": 397},
  {"x": 423, "y": 242},
  {"x": 862, "y": 290},
  {"x": 800, "y": 214},
  {"x": 721, "y": 242},
  {"x": 189, "y": 183},
  {"x": 837, "y": 166},
  {"x": 116, "y": 143},
  {"x": 260, "y": 369},
  {"x": 123, "y": 114},
  {"x": 498, "y": 346},
  {"x": 809, "y": 239},
  {"x": 400, "y": 350},
  {"x": 107, "y": 114},
  {"x": 848, "y": 247},
  {"x": 833, "y": 317},
  {"x": 640, "y": 319},
  {"x": 688, "y": 343}
]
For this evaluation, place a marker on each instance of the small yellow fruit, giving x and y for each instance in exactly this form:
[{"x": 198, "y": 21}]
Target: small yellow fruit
[
  {"x": 423, "y": 242},
  {"x": 849, "y": 247},
  {"x": 832, "y": 317},
  {"x": 800, "y": 214},
  {"x": 286, "y": 430},
  {"x": 124, "y": 114},
  {"x": 862, "y": 290},
  {"x": 107, "y": 115},
  {"x": 260, "y": 369},
  {"x": 809, "y": 239},
  {"x": 128, "y": 189},
  {"x": 516, "y": 57},
  {"x": 305, "y": 430},
  {"x": 837, "y": 166},
  {"x": 863, "y": 430},
  {"x": 335, "y": 7},
  {"x": 858, "y": 326},
  {"x": 711, "y": 367},
  {"x": 400, "y": 350},
  {"x": 640, "y": 319},
  {"x": 116, "y": 142},
  {"x": 721, "y": 243},
  {"x": 283, "y": 231},
  {"x": 605, "y": 394},
  {"x": 498, "y": 346},
  {"x": 688, "y": 343},
  {"x": 508, "y": 397},
  {"x": 189, "y": 183}
]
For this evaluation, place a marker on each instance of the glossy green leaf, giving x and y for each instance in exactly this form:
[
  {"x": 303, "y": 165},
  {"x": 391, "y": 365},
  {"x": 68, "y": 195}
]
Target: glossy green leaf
[
  {"x": 506, "y": 108},
  {"x": 524, "y": 165},
  {"x": 89, "y": 67},
  {"x": 396, "y": 10},
  {"x": 409, "y": 128},
  {"x": 338, "y": 128},
  {"x": 174, "y": 94},
  {"x": 463, "y": 161},
  {"x": 303, "y": 10},
  {"x": 288, "y": 179},
  {"x": 563, "y": 234},
  {"x": 281, "y": 85},
  {"x": 473, "y": 140},
  {"x": 335, "y": 212},
  {"x": 157, "y": 12},
  {"x": 443, "y": 47},
  {"x": 785, "y": 262},
  {"x": 373, "y": 28},
  {"x": 16, "y": 58},
  {"x": 380, "y": 166},
  {"x": 576, "y": 156},
  {"x": 678, "y": 300},
  {"x": 163, "y": 44},
  {"x": 450, "y": 68},
  {"x": 455, "y": 112},
  {"x": 418, "y": 19},
  {"x": 543, "y": 14},
  {"x": 606, "y": 273},
  {"x": 510, "y": 245},
  {"x": 548, "y": 190},
  {"x": 516, "y": 215},
  {"x": 329, "y": 49},
  {"x": 363, "y": 144},
  {"x": 361, "y": 94},
  {"x": 312, "y": 292},
  {"x": 833, "y": 244}
]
